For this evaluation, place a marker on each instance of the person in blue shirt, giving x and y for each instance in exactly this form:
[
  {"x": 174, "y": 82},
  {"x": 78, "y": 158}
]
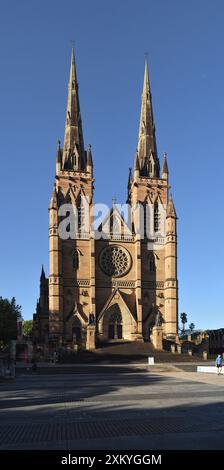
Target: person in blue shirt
[{"x": 218, "y": 363}]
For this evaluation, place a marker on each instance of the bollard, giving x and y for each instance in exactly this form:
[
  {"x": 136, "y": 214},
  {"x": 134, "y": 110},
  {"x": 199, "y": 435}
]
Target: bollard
[
  {"x": 205, "y": 355},
  {"x": 151, "y": 361},
  {"x": 190, "y": 352},
  {"x": 173, "y": 348}
]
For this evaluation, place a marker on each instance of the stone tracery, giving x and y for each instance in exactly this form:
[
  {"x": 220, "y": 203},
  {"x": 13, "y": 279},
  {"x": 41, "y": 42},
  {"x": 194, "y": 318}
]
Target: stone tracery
[{"x": 115, "y": 261}]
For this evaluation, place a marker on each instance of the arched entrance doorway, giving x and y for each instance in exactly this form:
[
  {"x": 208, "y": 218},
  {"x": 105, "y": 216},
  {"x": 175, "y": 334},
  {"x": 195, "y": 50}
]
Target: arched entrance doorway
[
  {"x": 115, "y": 325},
  {"x": 77, "y": 332}
]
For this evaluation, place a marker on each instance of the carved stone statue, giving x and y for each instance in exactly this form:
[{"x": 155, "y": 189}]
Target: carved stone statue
[
  {"x": 159, "y": 319},
  {"x": 156, "y": 318}
]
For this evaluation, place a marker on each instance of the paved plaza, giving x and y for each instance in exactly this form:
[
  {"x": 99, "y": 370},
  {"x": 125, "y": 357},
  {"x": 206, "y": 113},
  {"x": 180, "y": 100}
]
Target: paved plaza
[{"x": 112, "y": 407}]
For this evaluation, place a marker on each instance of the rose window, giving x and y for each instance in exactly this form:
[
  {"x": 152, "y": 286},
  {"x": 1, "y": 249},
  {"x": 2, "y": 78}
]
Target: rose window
[{"x": 115, "y": 261}]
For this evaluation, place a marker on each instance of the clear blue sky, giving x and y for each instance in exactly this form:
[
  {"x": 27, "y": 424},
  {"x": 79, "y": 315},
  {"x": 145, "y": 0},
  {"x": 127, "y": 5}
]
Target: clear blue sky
[{"x": 184, "y": 41}]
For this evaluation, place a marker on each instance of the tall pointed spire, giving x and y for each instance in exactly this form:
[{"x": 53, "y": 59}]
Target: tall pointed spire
[
  {"x": 130, "y": 177},
  {"x": 147, "y": 151},
  {"x": 89, "y": 164},
  {"x": 171, "y": 211},
  {"x": 59, "y": 158},
  {"x": 42, "y": 276},
  {"x": 73, "y": 151},
  {"x": 53, "y": 201},
  {"x": 89, "y": 156},
  {"x": 165, "y": 171},
  {"x": 136, "y": 165}
]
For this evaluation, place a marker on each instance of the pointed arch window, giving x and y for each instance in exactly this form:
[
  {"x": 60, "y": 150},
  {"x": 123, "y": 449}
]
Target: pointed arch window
[
  {"x": 145, "y": 219},
  {"x": 146, "y": 208},
  {"x": 150, "y": 166},
  {"x": 80, "y": 214},
  {"x": 156, "y": 217},
  {"x": 77, "y": 331},
  {"x": 115, "y": 326}
]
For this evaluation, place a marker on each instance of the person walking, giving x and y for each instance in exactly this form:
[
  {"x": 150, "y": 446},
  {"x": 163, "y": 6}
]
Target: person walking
[{"x": 218, "y": 363}]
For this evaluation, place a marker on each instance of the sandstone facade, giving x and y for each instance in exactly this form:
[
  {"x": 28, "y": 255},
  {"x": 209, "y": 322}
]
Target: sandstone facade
[{"x": 116, "y": 288}]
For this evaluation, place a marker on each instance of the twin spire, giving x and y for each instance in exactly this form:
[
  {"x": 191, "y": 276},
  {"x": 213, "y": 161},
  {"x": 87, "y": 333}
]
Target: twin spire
[
  {"x": 74, "y": 155},
  {"x": 147, "y": 150}
]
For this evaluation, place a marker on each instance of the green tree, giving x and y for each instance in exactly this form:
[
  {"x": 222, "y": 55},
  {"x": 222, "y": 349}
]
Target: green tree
[
  {"x": 192, "y": 327},
  {"x": 10, "y": 312},
  {"x": 27, "y": 328},
  {"x": 183, "y": 317}
]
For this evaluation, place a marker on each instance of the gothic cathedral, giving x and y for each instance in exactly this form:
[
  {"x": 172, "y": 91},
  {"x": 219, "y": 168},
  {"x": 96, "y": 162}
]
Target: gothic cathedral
[{"x": 122, "y": 285}]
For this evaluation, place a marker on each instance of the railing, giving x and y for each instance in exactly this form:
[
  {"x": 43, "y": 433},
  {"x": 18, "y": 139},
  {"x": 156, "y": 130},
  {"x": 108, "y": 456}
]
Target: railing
[
  {"x": 118, "y": 237},
  {"x": 158, "y": 240},
  {"x": 121, "y": 237},
  {"x": 82, "y": 235}
]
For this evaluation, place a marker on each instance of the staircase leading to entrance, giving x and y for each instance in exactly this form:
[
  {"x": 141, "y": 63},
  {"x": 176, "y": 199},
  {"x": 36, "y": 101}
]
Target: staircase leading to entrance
[{"x": 126, "y": 352}]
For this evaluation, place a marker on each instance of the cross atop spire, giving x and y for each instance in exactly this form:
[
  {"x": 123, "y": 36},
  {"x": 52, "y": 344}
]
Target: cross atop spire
[
  {"x": 147, "y": 151},
  {"x": 73, "y": 151}
]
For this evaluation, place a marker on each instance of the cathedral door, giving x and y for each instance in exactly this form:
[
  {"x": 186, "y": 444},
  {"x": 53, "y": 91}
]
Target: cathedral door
[
  {"x": 77, "y": 332},
  {"x": 115, "y": 326},
  {"x": 111, "y": 331},
  {"x": 119, "y": 331}
]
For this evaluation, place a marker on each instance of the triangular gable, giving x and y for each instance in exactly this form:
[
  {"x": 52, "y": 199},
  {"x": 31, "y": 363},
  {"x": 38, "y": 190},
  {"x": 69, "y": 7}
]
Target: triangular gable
[
  {"x": 72, "y": 195},
  {"x": 67, "y": 197},
  {"x": 159, "y": 200},
  {"x": 110, "y": 301},
  {"x": 114, "y": 215},
  {"x": 148, "y": 199},
  {"x": 82, "y": 195},
  {"x": 78, "y": 312}
]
